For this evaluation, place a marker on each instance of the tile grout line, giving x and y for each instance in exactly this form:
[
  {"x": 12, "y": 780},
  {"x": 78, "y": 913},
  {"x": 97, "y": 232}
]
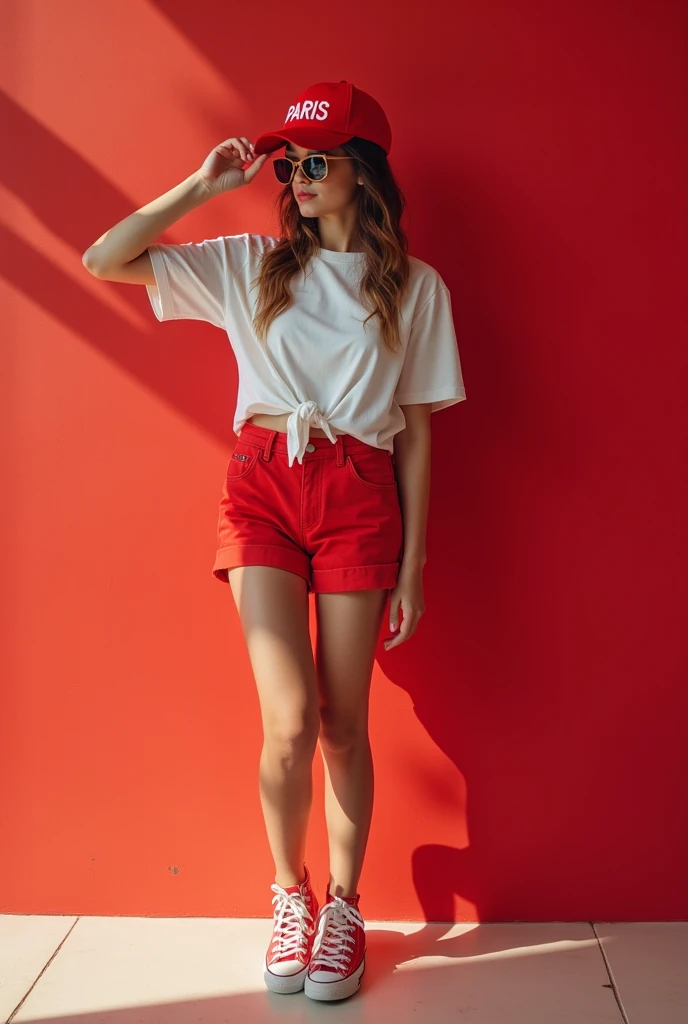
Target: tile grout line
[
  {"x": 21, "y": 1002},
  {"x": 614, "y": 988}
]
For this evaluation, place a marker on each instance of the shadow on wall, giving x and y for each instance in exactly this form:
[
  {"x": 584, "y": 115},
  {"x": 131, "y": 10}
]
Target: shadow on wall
[{"x": 116, "y": 319}]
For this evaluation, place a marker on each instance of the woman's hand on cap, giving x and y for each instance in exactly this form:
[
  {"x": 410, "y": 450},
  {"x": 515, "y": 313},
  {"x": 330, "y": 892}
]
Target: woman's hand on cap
[{"x": 222, "y": 169}]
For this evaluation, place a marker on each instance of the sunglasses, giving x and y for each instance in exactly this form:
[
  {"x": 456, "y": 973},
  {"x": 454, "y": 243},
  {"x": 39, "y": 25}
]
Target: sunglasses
[{"x": 314, "y": 167}]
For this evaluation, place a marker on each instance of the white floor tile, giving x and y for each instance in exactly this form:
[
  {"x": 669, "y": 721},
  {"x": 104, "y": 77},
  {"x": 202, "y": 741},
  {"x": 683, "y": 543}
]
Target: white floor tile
[
  {"x": 649, "y": 965},
  {"x": 183, "y": 971},
  {"x": 26, "y": 945}
]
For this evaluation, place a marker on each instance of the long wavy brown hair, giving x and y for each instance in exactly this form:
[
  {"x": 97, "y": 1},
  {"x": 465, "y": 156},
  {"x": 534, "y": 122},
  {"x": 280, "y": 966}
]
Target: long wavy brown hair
[{"x": 380, "y": 236}]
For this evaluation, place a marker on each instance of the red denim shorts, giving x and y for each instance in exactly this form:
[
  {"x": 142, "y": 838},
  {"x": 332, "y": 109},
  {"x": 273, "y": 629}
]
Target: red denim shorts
[{"x": 334, "y": 519}]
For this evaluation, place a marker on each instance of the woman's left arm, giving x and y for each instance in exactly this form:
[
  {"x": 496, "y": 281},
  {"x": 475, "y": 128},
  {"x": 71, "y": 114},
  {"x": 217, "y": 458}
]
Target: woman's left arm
[{"x": 412, "y": 456}]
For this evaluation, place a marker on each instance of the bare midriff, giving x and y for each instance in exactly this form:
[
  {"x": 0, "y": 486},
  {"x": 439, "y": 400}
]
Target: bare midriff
[{"x": 280, "y": 423}]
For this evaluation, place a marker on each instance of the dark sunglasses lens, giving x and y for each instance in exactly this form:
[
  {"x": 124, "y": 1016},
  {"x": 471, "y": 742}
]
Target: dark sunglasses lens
[
  {"x": 315, "y": 167},
  {"x": 282, "y": 170}
]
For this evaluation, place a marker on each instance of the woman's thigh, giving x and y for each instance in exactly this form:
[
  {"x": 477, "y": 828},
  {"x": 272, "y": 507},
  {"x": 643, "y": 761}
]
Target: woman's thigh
[
  {"x": 273, "y": 609},
  {"x": 348, "y": 628}
]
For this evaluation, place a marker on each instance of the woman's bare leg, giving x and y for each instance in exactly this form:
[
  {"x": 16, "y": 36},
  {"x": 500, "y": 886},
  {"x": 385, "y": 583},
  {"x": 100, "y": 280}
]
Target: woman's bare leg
[
  {"x": 348, "y": 630},
  {"x": 273, "y": 609}
]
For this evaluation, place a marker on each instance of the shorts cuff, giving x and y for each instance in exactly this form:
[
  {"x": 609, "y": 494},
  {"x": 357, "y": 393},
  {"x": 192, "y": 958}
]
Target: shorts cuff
[
  {"x": 360, "y": 577},
  {"x": 260, "y": 554}
]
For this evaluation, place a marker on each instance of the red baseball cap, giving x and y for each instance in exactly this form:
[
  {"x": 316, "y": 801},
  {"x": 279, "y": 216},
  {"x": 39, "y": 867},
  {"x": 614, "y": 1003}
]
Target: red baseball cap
[{"x": 327, "y": 115}]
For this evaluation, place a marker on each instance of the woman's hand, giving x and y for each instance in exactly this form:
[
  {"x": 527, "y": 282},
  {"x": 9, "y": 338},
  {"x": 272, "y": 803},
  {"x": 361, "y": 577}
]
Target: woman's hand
[
  {"x": 408, "y": 594},
  {"x": 222, "y": 168}
]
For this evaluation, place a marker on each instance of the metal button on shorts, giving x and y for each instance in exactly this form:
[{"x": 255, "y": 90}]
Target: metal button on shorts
[{"x": 310, "y": 447}]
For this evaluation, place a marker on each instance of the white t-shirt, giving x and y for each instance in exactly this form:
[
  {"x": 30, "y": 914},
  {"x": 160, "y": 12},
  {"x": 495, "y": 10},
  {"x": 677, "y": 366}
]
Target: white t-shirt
[{"x": 319, "y": 362}]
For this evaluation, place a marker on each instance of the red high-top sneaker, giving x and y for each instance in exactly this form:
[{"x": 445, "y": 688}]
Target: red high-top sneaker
[
  {"x": 338, "y": 957},
  {"x": 286, "y": 961}
]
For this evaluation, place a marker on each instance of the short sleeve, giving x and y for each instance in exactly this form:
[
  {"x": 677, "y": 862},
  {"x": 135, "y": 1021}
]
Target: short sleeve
[
  {"x": 192, "y": 277},
  {"x": 431, "y": 371}
]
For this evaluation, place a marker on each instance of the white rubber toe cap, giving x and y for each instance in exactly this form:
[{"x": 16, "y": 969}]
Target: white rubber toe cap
[{"x": 287, "y": 968}]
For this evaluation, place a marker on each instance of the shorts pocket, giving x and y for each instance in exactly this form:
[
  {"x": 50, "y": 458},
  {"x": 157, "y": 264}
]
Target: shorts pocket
[
  {"x": 373, "y": 469},
  {"x": 243, "y": 460}
]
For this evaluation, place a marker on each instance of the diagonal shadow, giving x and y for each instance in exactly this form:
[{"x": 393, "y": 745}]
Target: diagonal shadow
[{"x": 77, "y": 204}]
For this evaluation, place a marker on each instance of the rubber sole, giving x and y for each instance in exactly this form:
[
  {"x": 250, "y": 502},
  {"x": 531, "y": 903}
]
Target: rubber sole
[
  {"x": 327, "y": 991},
  {"x": 285, "y": 986}
]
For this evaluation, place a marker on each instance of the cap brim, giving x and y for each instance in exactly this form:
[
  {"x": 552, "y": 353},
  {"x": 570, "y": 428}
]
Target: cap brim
[{"x": 308, "y": 138}]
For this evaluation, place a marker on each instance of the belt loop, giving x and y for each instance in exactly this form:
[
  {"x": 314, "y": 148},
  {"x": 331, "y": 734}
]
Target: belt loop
[
  {"x": 339, "y": 444},
  {"x": 267, "y": 451}
]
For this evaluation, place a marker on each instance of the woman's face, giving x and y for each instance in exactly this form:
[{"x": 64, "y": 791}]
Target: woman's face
[{"x": 331, "y": 195}]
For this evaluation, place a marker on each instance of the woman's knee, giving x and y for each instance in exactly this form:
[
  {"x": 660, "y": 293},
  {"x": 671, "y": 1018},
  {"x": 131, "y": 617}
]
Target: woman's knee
[
  {"x": 342, "y": 732},
  {"x": 291, "y": 738}
]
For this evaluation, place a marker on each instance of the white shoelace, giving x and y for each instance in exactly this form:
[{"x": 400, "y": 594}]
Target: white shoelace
[
  {"x": 292, "y": 920},
  {"x": 335, "y": 940},
  {"x": 298, "y": 432}
]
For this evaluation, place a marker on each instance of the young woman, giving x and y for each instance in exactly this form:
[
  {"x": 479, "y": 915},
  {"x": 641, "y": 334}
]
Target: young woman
[{"x": 345, "y": 345}]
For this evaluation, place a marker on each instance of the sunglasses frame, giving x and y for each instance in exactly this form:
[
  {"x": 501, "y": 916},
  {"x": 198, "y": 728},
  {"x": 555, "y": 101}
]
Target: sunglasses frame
[{"x": 297, "y": 163}]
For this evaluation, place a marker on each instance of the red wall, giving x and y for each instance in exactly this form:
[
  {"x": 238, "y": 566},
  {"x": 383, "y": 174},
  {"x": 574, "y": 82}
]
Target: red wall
[{"x": 529, "y": 741}]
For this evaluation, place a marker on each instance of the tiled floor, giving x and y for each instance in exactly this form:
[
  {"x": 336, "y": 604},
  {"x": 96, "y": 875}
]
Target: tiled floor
[{"x": 104, "y": 970}]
